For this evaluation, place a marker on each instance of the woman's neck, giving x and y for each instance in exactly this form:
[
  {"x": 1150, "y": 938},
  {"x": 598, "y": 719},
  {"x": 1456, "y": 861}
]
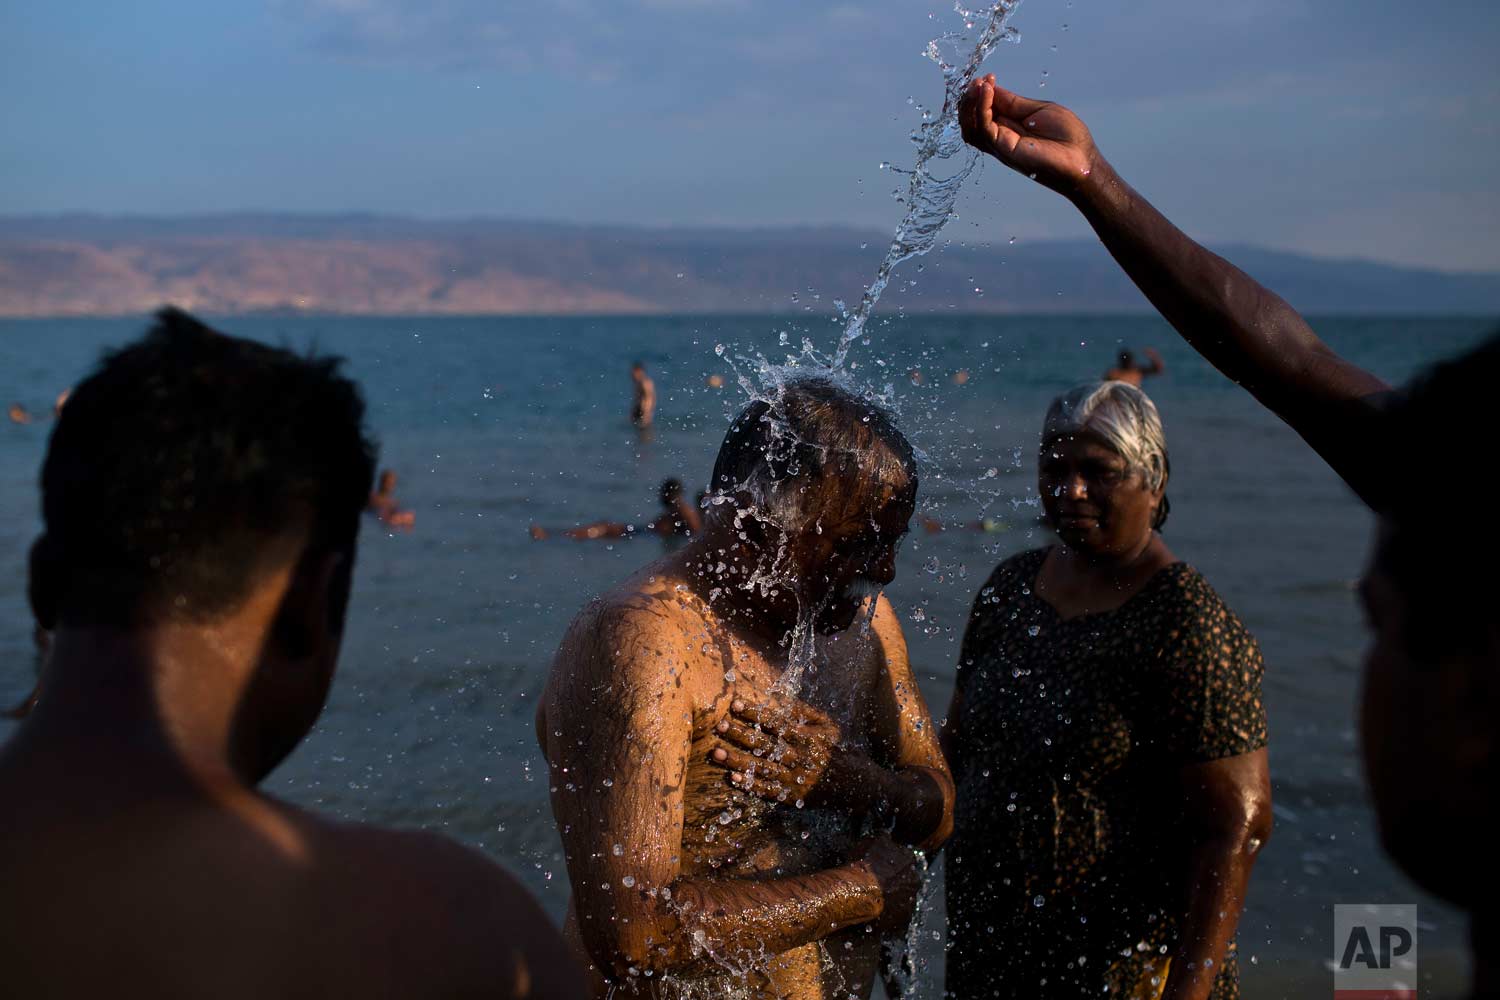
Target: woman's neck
[{"x": 1117, "y": 565}]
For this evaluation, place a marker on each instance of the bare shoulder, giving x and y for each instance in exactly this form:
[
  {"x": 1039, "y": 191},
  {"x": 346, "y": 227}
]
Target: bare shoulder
[
  {"x": 465, "y": 925},
  {"x": 643, "y": 631}
]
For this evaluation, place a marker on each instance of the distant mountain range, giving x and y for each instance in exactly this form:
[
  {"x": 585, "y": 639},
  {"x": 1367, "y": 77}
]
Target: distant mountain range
[{"x": 83, "y": 265}]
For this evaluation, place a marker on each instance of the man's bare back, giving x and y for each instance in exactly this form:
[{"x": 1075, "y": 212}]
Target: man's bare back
[{"x": 115, "y": 887}]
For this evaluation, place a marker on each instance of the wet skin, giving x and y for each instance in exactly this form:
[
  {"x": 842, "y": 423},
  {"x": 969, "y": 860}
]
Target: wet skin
[{"x": 729, "y": 888}]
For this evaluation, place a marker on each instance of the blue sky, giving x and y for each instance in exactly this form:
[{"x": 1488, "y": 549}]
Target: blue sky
[{"x": 1330, "y": 126}]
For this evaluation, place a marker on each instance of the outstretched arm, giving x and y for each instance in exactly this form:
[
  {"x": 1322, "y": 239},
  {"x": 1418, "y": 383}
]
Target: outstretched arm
[
  {"x": 618, "y": 734},
  {"x": 1243, "y": 329}
]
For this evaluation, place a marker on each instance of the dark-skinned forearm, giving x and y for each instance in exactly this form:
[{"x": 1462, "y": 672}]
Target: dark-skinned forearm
[
  {"x": 1218, "y": 875},
  {"x": 917, "y": 801},
  {"x": 1246, "y": 331},
  {"x": 704, "y": 923}
]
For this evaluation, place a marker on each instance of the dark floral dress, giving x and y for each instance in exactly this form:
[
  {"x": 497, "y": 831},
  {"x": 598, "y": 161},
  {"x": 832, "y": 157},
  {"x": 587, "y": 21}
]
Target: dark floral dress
[{"x": 1066, "y": 869}]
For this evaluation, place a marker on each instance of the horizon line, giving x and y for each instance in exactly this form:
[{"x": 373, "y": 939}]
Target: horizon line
[{"x": 675, "y": 227}]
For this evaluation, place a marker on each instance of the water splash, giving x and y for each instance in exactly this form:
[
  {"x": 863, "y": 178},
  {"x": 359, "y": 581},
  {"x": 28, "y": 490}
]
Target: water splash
[
  {"x": 766, "y": 381},
  {"x": 905, "y": 955},
  {"x": 929, "y": 198}
]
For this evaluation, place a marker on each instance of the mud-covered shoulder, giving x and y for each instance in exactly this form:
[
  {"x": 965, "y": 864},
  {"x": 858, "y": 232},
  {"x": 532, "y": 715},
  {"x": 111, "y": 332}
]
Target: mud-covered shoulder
[{"x": 630, "y": 644}]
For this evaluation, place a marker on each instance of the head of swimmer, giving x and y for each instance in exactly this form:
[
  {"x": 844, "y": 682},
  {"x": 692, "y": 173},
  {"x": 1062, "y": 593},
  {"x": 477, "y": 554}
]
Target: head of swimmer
[
  {"x": 201, "y": 499},
  {"x": 1431, "y": 690},
  {"x": 817, "y": 488},
  {"x": 1102, "y": 471}
]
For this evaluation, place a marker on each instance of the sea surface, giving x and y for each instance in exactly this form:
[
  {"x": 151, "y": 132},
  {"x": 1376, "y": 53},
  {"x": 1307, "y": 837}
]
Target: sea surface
[{"x": 494, "y": 424}]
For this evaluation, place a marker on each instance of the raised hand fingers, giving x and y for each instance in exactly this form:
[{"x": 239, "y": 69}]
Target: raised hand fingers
[
  {"x": 741, "y": 735},
  {"x": 779, "y": 714},
  {"x": 968, "y": 113},
  {"x": 1008, "y": 104},
  {"x": 750, "y": 772}
]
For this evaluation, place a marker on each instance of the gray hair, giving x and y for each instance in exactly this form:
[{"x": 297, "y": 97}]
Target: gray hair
[
  {"x": 814, "y": 449},
  {"x": 1121, "y": 416}
]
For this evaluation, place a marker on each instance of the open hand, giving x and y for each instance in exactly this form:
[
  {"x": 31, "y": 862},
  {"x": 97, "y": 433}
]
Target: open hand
[
  {"x": 789, "y": 751},
  {"x": 1045, "y": 141}
]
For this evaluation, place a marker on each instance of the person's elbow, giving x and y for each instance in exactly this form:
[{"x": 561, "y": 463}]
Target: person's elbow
[
  {"x": 942, "y": 790},
  {"x": 1241, "y": 828}
]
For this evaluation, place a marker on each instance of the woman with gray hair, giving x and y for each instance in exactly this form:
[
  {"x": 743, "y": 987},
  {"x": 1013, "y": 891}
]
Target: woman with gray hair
[{"x": 1107, "y": 738}]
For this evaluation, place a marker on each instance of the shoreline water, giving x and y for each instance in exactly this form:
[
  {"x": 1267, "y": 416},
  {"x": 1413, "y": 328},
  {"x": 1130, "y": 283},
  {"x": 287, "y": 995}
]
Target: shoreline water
[{"x": 494, "y": 423}]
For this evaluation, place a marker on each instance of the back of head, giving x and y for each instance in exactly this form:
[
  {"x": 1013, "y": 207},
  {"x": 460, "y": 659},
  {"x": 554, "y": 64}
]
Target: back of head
[
  {"x": 816, "y": 452},
  {"x": 1431, "y": 685},
  {"x": 671, "y": 492},
  {"x": 1125, "y": 360},
  {"x": 1122, "y": 417},
  {"x": 1430, "y": 431},
  {"x": 188, "y": 463}
]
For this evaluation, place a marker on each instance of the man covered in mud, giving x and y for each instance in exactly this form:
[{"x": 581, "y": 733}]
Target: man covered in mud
[{"x": 740, "y": 759}]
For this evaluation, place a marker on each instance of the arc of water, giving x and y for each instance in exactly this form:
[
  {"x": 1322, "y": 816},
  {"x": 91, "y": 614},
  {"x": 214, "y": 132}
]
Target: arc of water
[{"x": 929, "y": 198}]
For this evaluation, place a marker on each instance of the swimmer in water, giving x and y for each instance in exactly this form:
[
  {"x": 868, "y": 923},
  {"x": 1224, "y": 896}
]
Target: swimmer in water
[
  {"x": 713, "y": 821},
  {"x": 384, "y": 506},
  {"x": 19, "y": 414},
  {"x": 1128, "y": 369},
  {"x": 678, "y": 519},
  {"x": 191, "y": 653},
  {"x": 643, "y": 406}
]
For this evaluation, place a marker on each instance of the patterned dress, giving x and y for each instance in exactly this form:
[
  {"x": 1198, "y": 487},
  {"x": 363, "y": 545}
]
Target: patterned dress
[{"x": 1065, "y": 873}]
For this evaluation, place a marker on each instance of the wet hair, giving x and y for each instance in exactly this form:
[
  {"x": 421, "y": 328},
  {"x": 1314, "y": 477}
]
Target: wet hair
[
  {"x": 1125, "y": 420},
  {"x": 1430, "y": 427},
  {"x": 671, "y": 492},
  {"x": 1126, "y": 359},
  {"x": 815, "y": 451},
  {"x": 186, "y": 464}
]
